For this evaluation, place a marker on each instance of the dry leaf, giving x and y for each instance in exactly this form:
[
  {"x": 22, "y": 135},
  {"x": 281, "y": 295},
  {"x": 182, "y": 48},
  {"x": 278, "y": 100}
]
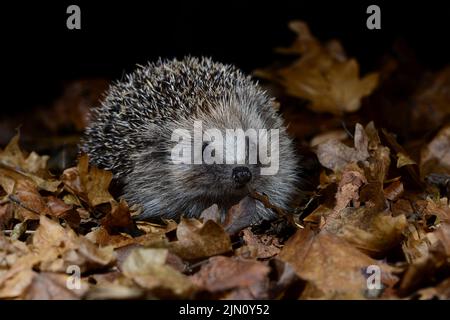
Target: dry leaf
[
  {"x": 211, "y": 213},
  {"x": 435, "y": 255},
  {"x": 248, "y": 279},
  {"x": 240, "y": 216},
  {"x": 59, "y": 247},
  {"x": 384, "y": 233},
  {"x": 441, "y": 291},
  {"x": 13, "y": 157},
  {"x": 323, "y": 75},
  {"x": 88, "y": 182},
  {"x": 335, "y": 155},
  {"x": 198, "y": 240},
  {"x": 333, "y": 267},
  {"x": 119, "y": 218},
  {"x": 115, "y": 291},
  {"x": 394, "y": 190},
  {"x": 53, "y": 286},
  {"x": 148, "y": 268},
  {"x": 336, "y": 135},
  {"x": 404, "y": 160},
  {"x": 29, "y": 203},
  {"x": 435, "y": 157},
  {"x": 266, "y": 246}
]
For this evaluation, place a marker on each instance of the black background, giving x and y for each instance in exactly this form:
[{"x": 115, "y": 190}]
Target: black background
[{"x": 40, "y": 53}]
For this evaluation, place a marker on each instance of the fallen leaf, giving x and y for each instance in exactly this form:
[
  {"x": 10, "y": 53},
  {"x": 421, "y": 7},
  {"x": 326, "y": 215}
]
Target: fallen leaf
[
  {"x": 88, "y": 182},
  {"x": 434, "y": 256},
  {"x": 410, "y": 168},
  {"x": 59, "y": 209},
  {"x": 348, "y": 193},
  {"x": 384, "y": 233},
  {"x": 441, "y": 291},
  {"x": 348, "y": 188},
  {"x": 286, "y": 283},
  {"x": 404, "y": 160},
  {"x": 394, "y": 190},
  {"x": 119, "y": 218},
  {"x": 334, "y": 268},
  {"x": 266, "y": 246},
  {"x": 335, "y": 135},
  {"x": 115, "y": 291},
  {"x": 95, "y": 182},
  {"x": 335, "y": 155},
  {"x": 246, "y": 279},
  {"x": 211, "y": 213},
  {"x": 13, "y": 156},
  {"x": 6, "y": 215},
  {"x": 72, "y": 181},
  {"x": 402, "y": 206},
  {"x": 147, "y": 267},
  {"x": 149, "y": 227},
  {"x": 29, "y": 203},
  {"x": 59, "y": 247},
  {"x": 101, "y": 237},
  {"x": 323, "y": 75},
  {"x": 53, "y": 286},
  {"x": 197, "y": 240},
  {"x": 439, "y": 208},
  {"x": 14, "y": 284},
  {"x": 240, "y": 216},
  {"x": 435, "y": 157}
]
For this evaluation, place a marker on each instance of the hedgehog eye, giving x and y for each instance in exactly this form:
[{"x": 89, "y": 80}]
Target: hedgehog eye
[
  {"x": 247, "y": 147},
  {"x": 204, "y": 145}
]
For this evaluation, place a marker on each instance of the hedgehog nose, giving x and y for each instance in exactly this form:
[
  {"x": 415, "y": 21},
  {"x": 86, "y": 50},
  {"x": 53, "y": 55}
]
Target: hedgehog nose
[{"x": 241, "y": 175}]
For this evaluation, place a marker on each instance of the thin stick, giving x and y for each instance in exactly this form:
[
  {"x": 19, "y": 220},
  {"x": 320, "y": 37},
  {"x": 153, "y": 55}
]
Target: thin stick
[
  {"x": 8, "y": 232},
  {"x": 17, "y": 201},
  {"x": 264, "y": 199}
]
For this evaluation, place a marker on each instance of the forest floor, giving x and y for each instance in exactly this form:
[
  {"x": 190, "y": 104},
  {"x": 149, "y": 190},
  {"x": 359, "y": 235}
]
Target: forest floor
[{"x": 375, "y": 223}]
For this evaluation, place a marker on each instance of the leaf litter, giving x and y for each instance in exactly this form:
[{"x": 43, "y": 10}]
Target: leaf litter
[{"x": 381, "y": 204}]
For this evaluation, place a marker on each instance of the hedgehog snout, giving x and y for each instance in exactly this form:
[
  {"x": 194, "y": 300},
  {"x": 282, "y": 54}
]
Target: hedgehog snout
[{"x": 241, "y": 176}]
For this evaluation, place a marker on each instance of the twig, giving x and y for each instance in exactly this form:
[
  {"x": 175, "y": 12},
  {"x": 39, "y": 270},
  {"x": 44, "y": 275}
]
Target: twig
[
  {"x": 346, "y": 129},
  {"x": 264, "y": 199},
  {"x": 191, "y": 267},
  {"x": 17, "y": 201},
  {"x": 8, "y": 232}
]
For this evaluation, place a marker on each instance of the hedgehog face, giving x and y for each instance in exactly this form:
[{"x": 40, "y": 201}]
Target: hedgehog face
[
  {"x": 216, "y": 168},
  {"x": 229, "y": 159}
]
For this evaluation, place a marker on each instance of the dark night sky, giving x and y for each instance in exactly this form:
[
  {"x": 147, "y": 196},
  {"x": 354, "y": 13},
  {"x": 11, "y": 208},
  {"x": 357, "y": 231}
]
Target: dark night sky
[{"x": 40, "y": 53}]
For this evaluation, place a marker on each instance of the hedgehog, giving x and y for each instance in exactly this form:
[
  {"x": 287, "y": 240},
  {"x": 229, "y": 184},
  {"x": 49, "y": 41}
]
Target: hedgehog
[{"x": 132, "y": 135}]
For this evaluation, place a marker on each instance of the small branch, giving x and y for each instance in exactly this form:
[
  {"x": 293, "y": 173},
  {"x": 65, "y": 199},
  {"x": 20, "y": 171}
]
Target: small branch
[
  {"x": 264, "y": 199},
  {"x": 344, "y": 126},
  {"x": 18, "y": 202},
  {"x": 190, "y": 267},
  {"x": 8, "y": 232}
]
